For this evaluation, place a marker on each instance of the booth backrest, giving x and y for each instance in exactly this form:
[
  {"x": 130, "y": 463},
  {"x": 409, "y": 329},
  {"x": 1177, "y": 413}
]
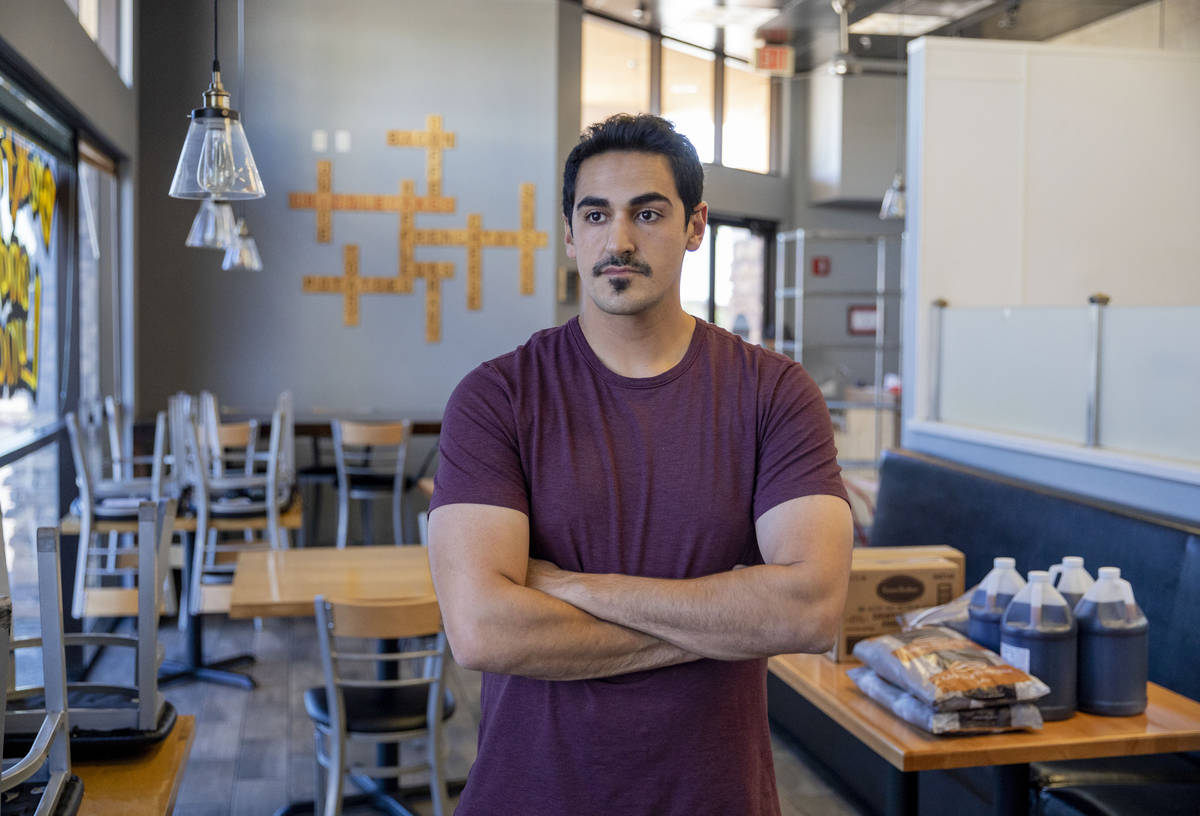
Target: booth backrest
[{"x": 924, "y": 500}]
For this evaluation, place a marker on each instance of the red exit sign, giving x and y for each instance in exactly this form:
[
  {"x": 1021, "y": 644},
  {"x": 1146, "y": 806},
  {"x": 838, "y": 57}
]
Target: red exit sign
[{"x": 777, "y": 60}]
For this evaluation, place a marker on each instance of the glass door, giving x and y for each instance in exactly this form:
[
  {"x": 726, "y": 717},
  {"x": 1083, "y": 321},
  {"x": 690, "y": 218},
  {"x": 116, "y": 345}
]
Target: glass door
[{"x": 725, "y": 281}]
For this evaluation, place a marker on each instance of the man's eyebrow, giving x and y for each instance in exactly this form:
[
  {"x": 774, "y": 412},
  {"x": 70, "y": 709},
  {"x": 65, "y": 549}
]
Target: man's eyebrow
[
  {"x": 646, "y": 198},
  {"x": 592, "y": 201}
]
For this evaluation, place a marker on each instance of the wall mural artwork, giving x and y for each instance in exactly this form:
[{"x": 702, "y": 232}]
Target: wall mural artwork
[{"x": 351, "y": 286}]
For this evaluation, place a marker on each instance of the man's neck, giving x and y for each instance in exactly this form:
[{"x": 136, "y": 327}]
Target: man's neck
[{"x": 638, "y": 346}]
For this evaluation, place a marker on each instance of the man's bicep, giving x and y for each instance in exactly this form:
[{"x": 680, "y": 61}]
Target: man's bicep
[
  {"x": 470, "y": 544},
  {"x": 812, "y": 530}
]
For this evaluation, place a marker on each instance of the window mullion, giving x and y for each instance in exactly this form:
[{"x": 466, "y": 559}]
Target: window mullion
[
  {"x": 718, "y": 96},
  {"x": 656, "y": 73}
]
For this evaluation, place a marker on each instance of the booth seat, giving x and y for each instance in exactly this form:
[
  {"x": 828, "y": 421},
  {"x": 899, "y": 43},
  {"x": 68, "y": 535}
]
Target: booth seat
[{"x": 924, "y": 500}]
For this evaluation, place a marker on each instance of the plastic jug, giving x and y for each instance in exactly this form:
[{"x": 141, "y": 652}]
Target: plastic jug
[
  {"x": 1038, "y": 636},
  {"x": 990, "y": 600},
  {"x": 1072, "y": 580},
  {"x": 1113, "y": 648}
]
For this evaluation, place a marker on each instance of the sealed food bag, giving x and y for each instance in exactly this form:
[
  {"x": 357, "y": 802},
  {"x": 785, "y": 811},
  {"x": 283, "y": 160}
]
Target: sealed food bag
[
  {"x": 952, "y": 614},
  {"x": 946, "y": 670},
  {"x": 968, "y": 721}
]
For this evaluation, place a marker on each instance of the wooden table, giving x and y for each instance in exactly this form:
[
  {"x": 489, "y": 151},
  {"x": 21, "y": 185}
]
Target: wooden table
[
  {"x": 1171, "y": 722},
  {"x": 282, "y": 583},
  {"x": 143, "y": 785}
]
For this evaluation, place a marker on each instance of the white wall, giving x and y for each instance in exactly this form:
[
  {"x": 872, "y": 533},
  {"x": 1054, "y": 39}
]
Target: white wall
[
  {"x": 1039, "y": 174},
  {"x": 1170, "y": 24}
]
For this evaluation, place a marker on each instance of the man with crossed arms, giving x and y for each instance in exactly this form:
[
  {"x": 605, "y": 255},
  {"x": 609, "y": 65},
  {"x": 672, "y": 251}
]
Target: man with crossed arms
[{"x": 632, "y": 512}]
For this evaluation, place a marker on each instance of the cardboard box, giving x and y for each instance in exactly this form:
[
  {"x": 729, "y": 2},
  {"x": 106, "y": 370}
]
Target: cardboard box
[
  {"x": 911, "y": 551},
  {"x": 882, "y": 588}
]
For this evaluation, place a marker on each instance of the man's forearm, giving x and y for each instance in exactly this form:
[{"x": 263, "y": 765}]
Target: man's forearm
[
  {"x": 516, "y": 630},
  {"x": 746, "y": 613}
]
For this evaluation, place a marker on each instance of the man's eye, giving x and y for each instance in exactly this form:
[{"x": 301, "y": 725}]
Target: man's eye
[
  {"x": 594, "y": 217},
  {"x": 649, "y": 216}
]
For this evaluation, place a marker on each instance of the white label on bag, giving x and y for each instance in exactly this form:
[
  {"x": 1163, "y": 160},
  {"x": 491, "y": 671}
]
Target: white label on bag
[{"x": 1015, "y": 656}]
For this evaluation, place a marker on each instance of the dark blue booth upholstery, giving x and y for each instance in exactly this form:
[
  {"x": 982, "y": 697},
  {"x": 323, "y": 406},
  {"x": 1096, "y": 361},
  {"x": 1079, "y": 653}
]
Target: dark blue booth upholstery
[{"x": 923, "y": 500}]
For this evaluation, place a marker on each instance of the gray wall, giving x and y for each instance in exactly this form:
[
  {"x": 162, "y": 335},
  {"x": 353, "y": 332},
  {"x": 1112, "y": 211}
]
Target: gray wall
[{"x": 489, "y": 67}]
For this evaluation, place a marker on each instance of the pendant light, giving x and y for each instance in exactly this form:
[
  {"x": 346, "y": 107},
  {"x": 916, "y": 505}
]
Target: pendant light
[
  {"x": 242, "y": 254},
  {"x": 894, "y": 199},
  {"x": 216, "y": 161},
  {"x": 213, "y": 227}
]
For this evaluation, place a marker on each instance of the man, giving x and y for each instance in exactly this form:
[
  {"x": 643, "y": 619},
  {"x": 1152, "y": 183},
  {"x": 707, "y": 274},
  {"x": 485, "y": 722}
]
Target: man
[{"x": 633, "y": 511}]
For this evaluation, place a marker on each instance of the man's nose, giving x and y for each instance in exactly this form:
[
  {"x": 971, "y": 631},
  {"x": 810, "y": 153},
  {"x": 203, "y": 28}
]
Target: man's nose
[{"x": 620, "y": 236}]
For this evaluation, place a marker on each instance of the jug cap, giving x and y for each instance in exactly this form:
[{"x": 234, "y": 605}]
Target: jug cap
[
  {"x": 1072, "y": 561},
  {"x": 1004, "y": 562},
  {"x": 1039, "y": 576},
  {"x": 1109, "y": 573}
]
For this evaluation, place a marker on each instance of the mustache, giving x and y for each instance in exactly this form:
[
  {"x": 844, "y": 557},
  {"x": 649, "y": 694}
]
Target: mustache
[{"x": 641, "y": 267}]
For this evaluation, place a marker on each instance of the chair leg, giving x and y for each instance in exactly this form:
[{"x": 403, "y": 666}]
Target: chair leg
[
  {"x": 311, "y": 539},
  {"x": 437, "y": 775},
  {"x": 319, "y": 772},
  {"x": 397, "y": 518},
  {"x": 81, "y": 564},
  {"x": 337, "y": 773},
  {"x": 343, "y": 517}
]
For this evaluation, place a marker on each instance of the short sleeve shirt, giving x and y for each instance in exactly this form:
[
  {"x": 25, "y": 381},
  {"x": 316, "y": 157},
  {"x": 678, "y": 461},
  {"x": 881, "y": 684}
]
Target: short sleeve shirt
[{"x": 660, "y": 477}]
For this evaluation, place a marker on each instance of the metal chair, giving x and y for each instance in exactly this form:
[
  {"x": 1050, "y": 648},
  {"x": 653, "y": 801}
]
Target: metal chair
[
  {"x": 42, "y": 779},
  {"x": 106, "y": 515},
  {"x": 350, "y": 709},
  {"x": 370, "y": 459},
  {"x": 105, "y": 717}
]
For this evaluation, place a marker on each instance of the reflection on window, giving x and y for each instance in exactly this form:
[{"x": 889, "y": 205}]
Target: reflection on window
[
  {"x": 28, "y": 499},
  {"x": 746, "y": 129},
  {"x": 694, "y": 280},
  {"x": 738, "y": 282},
  {"x": 103, "y": 20},
  {"x": 616, "y": 70},
  {"x": 31, "y": 251},
  {"x": 687, "y": 94},
  {"x": 99, "y": 294}
]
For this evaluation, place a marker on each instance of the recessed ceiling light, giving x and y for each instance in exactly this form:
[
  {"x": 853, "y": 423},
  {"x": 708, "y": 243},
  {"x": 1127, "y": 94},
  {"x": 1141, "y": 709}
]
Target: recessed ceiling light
[{"x": 903, "y": 25}]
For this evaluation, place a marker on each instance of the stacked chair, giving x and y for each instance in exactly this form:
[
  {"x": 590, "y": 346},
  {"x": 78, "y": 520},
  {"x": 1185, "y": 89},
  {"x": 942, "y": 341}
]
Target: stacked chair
[
  {"x": 108, "y": 718},
  {"x": 39, "y": 779}
]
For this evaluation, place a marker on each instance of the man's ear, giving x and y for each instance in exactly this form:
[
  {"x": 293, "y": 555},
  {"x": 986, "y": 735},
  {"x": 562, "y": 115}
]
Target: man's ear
[
  {"x": 696, "y": 225},
  {"x": 568, "y": 238}
]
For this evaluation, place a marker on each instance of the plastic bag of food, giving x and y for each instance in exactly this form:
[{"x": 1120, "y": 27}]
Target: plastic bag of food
[
  {"x": 952, "y": 614},
  {"x": 946, "y": 670},
  {"x": 968, "y": 721}
]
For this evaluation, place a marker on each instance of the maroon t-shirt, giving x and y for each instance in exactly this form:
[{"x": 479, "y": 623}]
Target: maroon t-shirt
[{"x": 660, "y": 477}]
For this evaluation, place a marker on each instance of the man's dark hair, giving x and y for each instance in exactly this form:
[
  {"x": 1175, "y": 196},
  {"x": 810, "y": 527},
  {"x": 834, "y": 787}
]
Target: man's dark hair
[{"x": 644, "y": 133}]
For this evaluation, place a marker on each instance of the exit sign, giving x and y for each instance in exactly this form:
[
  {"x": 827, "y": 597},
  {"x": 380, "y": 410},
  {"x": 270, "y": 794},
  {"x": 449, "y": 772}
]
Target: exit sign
[{"x": 777, "y": 60}]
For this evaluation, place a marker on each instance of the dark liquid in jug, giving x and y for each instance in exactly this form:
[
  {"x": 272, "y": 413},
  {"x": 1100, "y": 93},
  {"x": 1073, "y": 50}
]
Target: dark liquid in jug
[
  {"x": 1051, "y": 646},
  {"x": 1113, "y": 659},
  {"x": 983, "y": 621}
]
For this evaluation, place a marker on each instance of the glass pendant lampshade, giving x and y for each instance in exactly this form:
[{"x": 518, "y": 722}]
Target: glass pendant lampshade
[
  {"x": 894, "y": 199},
  {"x": 213, "y": 227},
  {"x": 243, "y": 252},
  {"x": 216, "y": 161}
]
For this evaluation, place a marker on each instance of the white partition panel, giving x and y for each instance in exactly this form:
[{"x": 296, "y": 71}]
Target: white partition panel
[
  {"x": 1150, "y": 381},
  {"x": 1022, "y": 371}
]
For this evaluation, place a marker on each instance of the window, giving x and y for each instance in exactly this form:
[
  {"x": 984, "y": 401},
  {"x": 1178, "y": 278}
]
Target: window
[
  {"x": 687, "y": 94},
  {"x": 746, "y": 129},
  {"x": 616, "y": 70},
  {"x": 109, "y": 24},
  {"x": 626, "y": 70},
  {"x": 99, "y": 280}
]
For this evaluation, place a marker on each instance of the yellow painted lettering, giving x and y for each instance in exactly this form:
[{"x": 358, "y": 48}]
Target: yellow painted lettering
[{"x": 29, "y": 374}]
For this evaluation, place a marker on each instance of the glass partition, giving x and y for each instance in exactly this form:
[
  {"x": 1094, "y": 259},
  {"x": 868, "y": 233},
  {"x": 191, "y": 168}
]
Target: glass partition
[
  {"x": 1150, "y": 381},
  {"x": 1022, "y": 371},
  {"x": 1028, "y": 371}
]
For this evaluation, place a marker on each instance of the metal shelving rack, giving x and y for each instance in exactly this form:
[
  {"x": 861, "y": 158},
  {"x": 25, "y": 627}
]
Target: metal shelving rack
[{"x": 789, "y": 286}]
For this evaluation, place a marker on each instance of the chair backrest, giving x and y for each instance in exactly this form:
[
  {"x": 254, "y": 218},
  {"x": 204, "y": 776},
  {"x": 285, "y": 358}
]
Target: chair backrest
[
  {"x": 376, "y": 448},
  {"x": 286, "y": 410},
  {"x": 83, "y": 472},
  {"x": 121, "y": 467},
  {"x": 407, "y": 620},
  {"x": 53, "y": 751}
]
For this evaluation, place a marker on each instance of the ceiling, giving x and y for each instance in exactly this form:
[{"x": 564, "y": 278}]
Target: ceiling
[{"x": 811, "y": 26}]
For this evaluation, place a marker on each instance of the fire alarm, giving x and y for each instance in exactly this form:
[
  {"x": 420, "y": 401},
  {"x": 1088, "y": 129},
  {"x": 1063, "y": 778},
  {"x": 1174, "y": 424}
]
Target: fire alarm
[{"x": 821, "y": 266}]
